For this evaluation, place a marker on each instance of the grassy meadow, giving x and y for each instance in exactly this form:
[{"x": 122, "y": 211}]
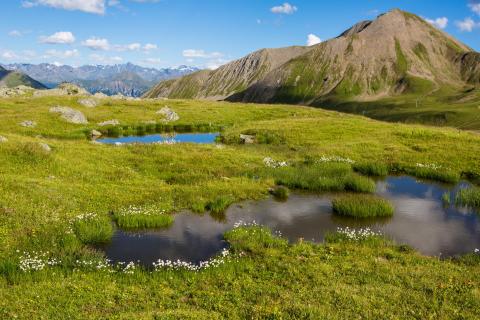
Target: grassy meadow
[{"x": 53, "y": 204}]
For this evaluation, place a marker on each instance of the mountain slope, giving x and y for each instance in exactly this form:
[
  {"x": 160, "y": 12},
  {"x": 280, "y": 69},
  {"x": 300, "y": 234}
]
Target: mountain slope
[
  {"x": 229, "y": 79},
  {"x": 127, "y": 79},
  {"x": 398, "y": 53},
  {"x": 11, "y": 79}
]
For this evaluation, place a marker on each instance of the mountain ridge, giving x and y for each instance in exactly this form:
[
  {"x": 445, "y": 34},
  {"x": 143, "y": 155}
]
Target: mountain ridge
[
  {"x": 108, "y": 79},
  {"x": 395, "y": 54}
]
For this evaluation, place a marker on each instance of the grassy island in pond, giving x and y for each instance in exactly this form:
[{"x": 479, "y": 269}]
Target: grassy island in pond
[{"x": 362, "y": 206}]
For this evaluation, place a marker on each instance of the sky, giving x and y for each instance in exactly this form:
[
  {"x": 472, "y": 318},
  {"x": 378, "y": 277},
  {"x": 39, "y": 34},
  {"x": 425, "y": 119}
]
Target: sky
[{"x": 202, "y": 33}]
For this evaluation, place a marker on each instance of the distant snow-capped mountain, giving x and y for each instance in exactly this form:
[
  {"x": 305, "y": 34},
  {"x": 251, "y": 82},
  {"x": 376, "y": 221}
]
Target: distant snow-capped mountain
[{"x": 128, "y": 79}]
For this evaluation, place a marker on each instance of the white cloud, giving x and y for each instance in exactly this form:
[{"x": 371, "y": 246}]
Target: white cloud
[
  {"x": 467, "y": 25},
  {"x": 9, "y": 55},
  {"x": 15, "y": 33},
  {"x": 285, "y": 8},
  {"x": 61, "y": 54},
  {"x": 313, "y": 40},
  {"x": 193, "y": 53},
  {"x": 216, "y": 63},
  {"x": 475, "y": 7},
  {"x": 89, "y": 6},
  {"x": 150, "y": 47},
  {"x": 128, "y": 47},
  {"x": 99, "y": 58},
  {"x": 96, "y": 44},
  {"x": 62, "y": 37},
  {"x": 152, "y": 61},
  {"x": 440, "y": 23}
]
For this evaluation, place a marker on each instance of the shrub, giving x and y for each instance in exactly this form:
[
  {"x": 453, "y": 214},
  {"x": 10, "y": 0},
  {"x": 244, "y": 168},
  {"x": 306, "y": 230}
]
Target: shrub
[
  {"x": 220, "y": 204},
  {"x": 362, "y": 206},
  {"x": 91, "y": 228},
  {"x": 372, "y": 169},
  {"x": 280, "y": 193},
  {"x": 469, "y": 197},
  {"x": 149, "y": 217}
]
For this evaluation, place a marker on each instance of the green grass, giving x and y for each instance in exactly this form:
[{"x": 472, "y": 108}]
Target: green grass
[
  {"x": 93, "y": 229},
  {"x": 42, "y": 193},
  {"x": 374, "y": 169},
  {"x": 469, "y": 197},
  {"x": 280, "y": 193},
  {"x": 219, "y": 204},
  {"x": 362, "y": 206},
  {"x": 143, "y": 218},
  {"x": 446, "y": 199}
]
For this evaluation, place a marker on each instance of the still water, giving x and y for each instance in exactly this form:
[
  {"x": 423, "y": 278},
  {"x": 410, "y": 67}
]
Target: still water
[
  {"x": 202, "y": 138},
  {"x": 420, "y": 220}
]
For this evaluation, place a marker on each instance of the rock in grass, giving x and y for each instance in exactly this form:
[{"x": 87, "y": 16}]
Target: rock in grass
[
  {"x": 45, "y": 147},
  {"x": 28, "y": 124},
  {"x": 88, "y": 102},
  {"x": 169, "y": 114},
  {"x": 3, "y": 139},
  {"x": 362, "y": 206},
  {"x": 100, "y": 95},
  {"x": 95, "y": 134},
  {"x": 112, "y": 122},
  {"x": 70, "y": 115},
  {"x": 247, "y": 139}
]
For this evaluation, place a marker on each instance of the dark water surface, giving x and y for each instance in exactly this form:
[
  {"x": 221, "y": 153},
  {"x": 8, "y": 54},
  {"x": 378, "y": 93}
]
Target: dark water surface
[
  {"x": 420, "y": 220},
  {"x": 205, "y": 138}
]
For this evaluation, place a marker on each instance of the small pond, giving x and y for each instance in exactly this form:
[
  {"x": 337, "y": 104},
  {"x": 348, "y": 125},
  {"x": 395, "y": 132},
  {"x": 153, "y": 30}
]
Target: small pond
[
  {"x": 202, "y": 138},
  {"x": 420, "y": 220}
]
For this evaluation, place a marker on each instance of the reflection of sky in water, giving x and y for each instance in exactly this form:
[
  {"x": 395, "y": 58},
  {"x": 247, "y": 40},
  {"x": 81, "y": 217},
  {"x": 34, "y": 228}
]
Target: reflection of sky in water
[
  {"x": 420, "y": 220},
  {"x": 179, "y": 138}
]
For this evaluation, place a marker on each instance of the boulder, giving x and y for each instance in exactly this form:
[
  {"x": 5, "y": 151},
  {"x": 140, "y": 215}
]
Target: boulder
[
  {"x": 169, "y": 114},
  {"x": 70, "y": 115},
  {"x": 100, "y": 95},
  {"x": 247, "y": 139},
  {"x": 28, "y": 124},
  {"x": 95, "y": 134},
  {"x": 88, "y": 102},
  {"x": 45, "y": 147},
  {"x": 112, "y": 122}
]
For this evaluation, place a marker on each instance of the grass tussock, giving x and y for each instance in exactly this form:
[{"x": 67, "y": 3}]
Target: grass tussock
[
  {"x": 93, "y": 228},
  {"x": 220, "y": 204},
  {"x": 322, "y": 177},
  {"x": 280, "y": 193},
  {"x": 469, "y": 197},
  {"x": 147, "y": 217},
  {"x": 374, "y": 169},
  {"x": 362, "y": 206}
]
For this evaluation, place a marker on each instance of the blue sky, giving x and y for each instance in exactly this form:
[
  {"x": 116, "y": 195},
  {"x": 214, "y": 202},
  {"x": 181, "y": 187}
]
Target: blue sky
[{"x": 204, "y": 33}]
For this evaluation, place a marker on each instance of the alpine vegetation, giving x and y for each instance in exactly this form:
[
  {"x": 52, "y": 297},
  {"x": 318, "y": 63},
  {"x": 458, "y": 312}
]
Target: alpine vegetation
[
  {"x": 143, "y": 217},
  {"x": 362, "y": 206}
]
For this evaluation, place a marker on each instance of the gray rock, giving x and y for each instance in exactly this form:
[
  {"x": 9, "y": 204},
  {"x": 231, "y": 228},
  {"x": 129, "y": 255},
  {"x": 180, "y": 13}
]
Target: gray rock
[
  {"x": 169, "y": 114},
  {"x": 88, "y": 102},
  {"x": 95, "y": 134},
  {"x": 28, "y": 124},
  {"x": 45, "y": 147},
  {"x": 3, "y": 139},
  {"x": 112, "y": 122},
  {"x": 70, "y": 115},
  {"x": 100, "y": 95},
  {"x": 247, "y": 139},
  {"x": 64, "y": 89}
]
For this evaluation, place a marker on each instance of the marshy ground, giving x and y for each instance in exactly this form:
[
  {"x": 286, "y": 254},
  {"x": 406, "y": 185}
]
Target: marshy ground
[{"x": 56, "y": 201}]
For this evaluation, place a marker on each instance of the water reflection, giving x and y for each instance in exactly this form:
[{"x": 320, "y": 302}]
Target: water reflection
[
  {"x": 202, "y": 138},
  {"x": 420, "y": 220}
]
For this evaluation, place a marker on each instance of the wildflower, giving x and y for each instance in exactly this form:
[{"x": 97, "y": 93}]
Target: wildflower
[
  {"x": 358, "y": 235},
  {"x": 270, "y": 163},
  {"x": 429, "y": 166},
  {"x": 324, "y": 159}
]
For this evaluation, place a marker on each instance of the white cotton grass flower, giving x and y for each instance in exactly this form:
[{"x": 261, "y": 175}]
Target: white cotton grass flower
[
  {"x": 271, "y": 163},
  {"x": 324, "y": 159},
  {"x": 184, "y": 265},
  {"x": 358, "y": 234},
  {"x": 37, "y": 261},
  {"x": 477, "y": 251},
  {"x": 428, "y": 166}
]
